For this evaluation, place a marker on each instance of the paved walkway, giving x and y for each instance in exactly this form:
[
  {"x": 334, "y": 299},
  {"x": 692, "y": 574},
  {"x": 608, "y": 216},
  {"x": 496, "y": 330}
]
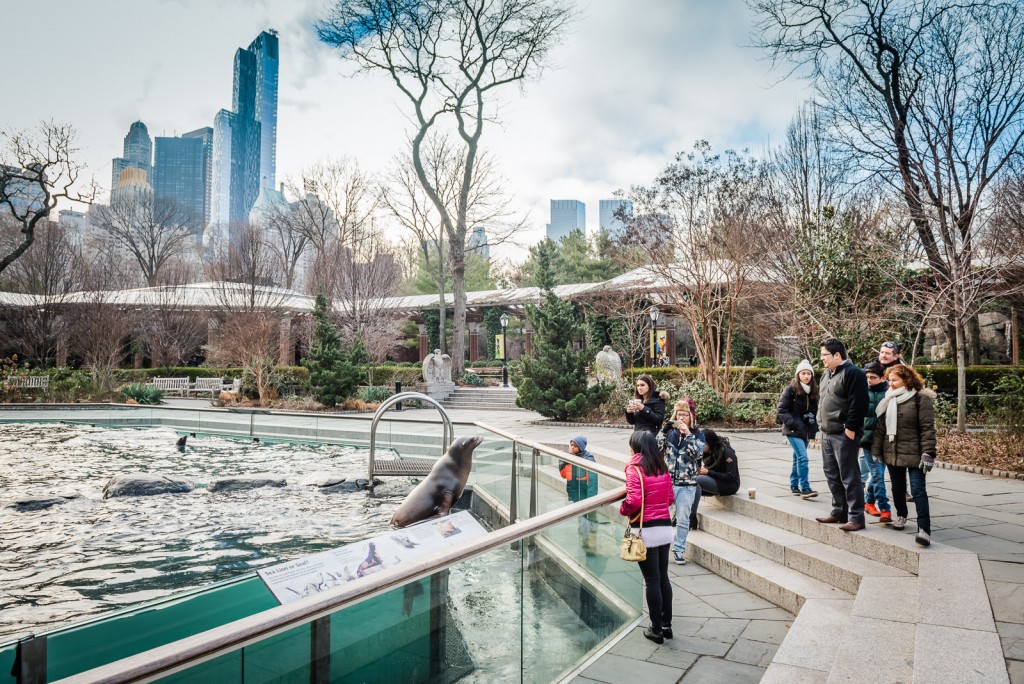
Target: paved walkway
[{"x": 981, "y": 514}]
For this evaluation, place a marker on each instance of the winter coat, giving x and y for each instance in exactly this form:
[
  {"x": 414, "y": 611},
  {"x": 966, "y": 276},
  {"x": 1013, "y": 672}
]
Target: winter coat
[
  {"x": 915, "y": 432},
  {"x": 650, "y": 416},
  {"x": 581, "y": 483},
  {"x": 875, "y": 395},
  {"x": 723, "y": 467},
  {"x": 842, "y": 399},
  {"x": 793, "y": 406},
  {"x": 657, "y": 495},
  {"x": 682, "y": 453}
]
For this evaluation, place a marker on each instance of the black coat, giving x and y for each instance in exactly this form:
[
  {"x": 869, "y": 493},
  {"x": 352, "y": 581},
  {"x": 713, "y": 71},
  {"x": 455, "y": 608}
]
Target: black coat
[
  {"x": 723, "y": 468},
  {"x": 793, "y": 406},
  {"x": 650, "y": 416}
]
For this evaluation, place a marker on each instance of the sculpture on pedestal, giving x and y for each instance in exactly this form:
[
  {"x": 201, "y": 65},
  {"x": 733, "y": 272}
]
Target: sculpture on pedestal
[
  {"x": 608, "y": 366},
  {"x": 437, "y": 368}
]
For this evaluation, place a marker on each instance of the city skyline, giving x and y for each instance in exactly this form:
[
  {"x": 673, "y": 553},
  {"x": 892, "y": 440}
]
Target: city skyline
[{"x": 627, "y": 91}]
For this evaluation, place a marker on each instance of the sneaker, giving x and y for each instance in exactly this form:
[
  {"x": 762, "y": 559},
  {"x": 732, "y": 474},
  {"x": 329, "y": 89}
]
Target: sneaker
[
  {"x": 656, "y": 637},
  {"x": 808, "y": 494},
  {"x": 871, "y": 509},
  {"x": 794, "y": 490},
  {"x": 899, "y": 523},
  {"x": 923, "y": 538},
  {"x": 886, "y": 517},
  {"x": 678, "y": 556},
  {"x": 666, "y": 631}
]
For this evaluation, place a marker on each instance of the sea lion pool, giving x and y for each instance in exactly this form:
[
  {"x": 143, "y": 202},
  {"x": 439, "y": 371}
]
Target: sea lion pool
[{"x": 87, "y": 555}]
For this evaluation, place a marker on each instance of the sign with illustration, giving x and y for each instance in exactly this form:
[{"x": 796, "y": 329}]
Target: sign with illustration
[
  {"x": 499, "y": 346},
  {"x": 659, "y": 346},
  {"x": 326, "y": 570}
]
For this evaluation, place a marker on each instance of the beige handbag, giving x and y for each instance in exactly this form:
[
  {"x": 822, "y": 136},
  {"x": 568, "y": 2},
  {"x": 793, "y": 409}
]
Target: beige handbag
[{"x": 633, "y": 547}]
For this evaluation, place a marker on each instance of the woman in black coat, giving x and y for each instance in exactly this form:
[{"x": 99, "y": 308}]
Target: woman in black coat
[
  {"x": 719, "y": 472},
  {"x": 796, "y": 412},
  {"x": 646, "y": 410}
]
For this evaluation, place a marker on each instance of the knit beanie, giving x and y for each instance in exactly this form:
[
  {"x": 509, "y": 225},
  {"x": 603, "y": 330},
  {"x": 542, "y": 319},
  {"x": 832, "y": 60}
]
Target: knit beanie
[{"x": 804, "y": 365}]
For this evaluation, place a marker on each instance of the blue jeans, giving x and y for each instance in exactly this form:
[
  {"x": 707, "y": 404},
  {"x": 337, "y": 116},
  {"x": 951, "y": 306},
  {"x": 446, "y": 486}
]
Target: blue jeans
[
  {"x": 898, "y": 479},
  {"x": 872, "y": 475},
  {"x": 798, "y": 477},
  {"x": 684, "y": 501}
]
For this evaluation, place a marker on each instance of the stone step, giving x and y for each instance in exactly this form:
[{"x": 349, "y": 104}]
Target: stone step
[
  {"x": 816, "y": 636},
  {"x": 885, "y": 546},
  {"x": 480, "y": 406},
  {"x": 835, "y": 566},
  {"x": 772, "y": 581}
]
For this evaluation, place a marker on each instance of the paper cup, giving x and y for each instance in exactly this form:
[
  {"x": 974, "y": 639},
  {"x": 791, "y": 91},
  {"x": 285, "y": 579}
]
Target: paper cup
[{"x": 752, "y": 493}]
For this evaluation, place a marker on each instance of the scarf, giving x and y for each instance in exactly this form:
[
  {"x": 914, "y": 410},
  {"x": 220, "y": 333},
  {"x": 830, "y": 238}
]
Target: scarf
[
  {"x": 806, "y": 388},
  {"x": 888, "y": 406}
]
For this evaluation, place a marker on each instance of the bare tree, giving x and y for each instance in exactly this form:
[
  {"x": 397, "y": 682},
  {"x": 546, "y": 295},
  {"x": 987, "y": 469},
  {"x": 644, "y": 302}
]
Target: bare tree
[
  {"x": 152, "y": 231},
  {"x": 37, "y": 170},
  {"x": 46, "y": 270},
  {"x": 930, "y": 96},
  {"x": 449, "y": 59},
  {"x": 173, "y": 326},
  {"x": 629, "y": 309},
  {"x": 287, "y": 241},
  {"x": 694, "y": 228}
]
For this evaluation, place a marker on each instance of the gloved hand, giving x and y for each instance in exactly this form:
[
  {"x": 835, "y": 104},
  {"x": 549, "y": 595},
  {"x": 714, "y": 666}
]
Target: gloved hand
[{"x": 927, "y": 463}]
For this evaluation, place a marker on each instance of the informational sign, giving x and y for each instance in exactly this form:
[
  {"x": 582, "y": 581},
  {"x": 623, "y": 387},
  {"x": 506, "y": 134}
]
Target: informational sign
[
  {"x": 659, "y": 343},
  {"x": 499, "y": 346},
  {"x": 327, "y": 570}
]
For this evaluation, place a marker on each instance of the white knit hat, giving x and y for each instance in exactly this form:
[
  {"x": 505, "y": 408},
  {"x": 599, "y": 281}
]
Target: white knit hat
[{"x": 804, "y": 365}]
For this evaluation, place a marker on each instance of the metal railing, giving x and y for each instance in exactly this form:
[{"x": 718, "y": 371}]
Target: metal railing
[
  {"x": 180, "y": 655},
  {"x": 446, "y": 438}
]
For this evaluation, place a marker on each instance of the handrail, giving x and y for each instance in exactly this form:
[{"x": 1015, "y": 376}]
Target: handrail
[
  {"x": 179, "y": 655},
  {"x": 560, "y": 455},
  {"x": 446, "y": 438}
]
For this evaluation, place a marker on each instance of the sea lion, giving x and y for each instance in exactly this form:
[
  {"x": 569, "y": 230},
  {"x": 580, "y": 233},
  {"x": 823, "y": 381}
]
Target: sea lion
[
  {"x": 438, "y": 492},
  {"x": 180, "y": 444}
]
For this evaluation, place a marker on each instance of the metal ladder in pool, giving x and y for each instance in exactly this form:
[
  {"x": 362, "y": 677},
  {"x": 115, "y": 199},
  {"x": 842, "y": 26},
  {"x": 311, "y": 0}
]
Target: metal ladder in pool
[{"x": 398, "y": 466}]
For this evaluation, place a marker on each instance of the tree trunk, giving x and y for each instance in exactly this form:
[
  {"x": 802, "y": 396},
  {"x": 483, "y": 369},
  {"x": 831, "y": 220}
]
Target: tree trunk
[
  {"x": 961, "y": 375},
  {"x": 459, "y": 310},
  {"x": 973, "y": 341}
]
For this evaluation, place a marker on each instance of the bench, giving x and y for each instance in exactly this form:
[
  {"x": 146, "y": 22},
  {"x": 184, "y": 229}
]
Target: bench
[
  {"x": 213, "y": 386},
  {"x": 178, "y": 386},
  {"x": 28, "y": 382}
]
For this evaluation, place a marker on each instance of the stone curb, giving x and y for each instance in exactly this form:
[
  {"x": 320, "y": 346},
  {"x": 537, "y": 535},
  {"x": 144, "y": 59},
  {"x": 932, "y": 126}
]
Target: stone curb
[{"x": 979, "y": 470}]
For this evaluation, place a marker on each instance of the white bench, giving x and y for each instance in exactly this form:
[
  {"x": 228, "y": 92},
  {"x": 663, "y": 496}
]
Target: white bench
[
  {"x": 29, "y": 381},
  {"x": 178, "y": 386},
  {"x": 213, "y": 386}
]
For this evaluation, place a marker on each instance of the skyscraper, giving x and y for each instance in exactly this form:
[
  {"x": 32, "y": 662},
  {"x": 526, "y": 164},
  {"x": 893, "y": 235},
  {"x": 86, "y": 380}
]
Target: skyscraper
[
  {"x": 609, "y": 222},
  {"x": 477, "y": 243},
  {"x": 566, "y": 216},
  {"x": 179, "y": 176},
  {"x": 206, "y": 135},
  {"x": 243, "y": 153},
  {"x": 138, "y": 153}
]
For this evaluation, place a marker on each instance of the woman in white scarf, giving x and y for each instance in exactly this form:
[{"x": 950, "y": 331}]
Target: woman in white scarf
[{"x": 905, "y": 441}]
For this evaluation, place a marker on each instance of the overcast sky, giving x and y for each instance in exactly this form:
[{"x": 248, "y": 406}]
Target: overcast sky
[{"x": 634, "y": 82}]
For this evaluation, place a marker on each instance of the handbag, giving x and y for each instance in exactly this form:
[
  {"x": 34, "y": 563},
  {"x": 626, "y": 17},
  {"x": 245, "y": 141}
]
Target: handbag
[{"x": 632, "y": 547}]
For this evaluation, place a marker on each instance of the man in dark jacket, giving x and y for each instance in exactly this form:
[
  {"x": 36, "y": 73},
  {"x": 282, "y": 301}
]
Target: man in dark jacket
[
  {"x": 842, "y": 405},
  {"x": 889, "y": 356},
  {"x": 872, "y": 475}
]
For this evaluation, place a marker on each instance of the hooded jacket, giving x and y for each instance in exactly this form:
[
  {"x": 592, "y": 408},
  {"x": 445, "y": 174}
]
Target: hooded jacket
[
  {"x": 915, "y": 432},
  {"x": 582, "y": 483},
  {"x": 650, "y": 416},
  {"x": 657, "y": 495},
  {"x": 875, "y": 395}
]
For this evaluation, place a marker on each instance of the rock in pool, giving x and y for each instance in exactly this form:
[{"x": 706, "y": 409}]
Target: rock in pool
[
  {"x": 240, "y": 483},
  {"x": 37, "y": 503},
  {"x": 146, "y": 484}
]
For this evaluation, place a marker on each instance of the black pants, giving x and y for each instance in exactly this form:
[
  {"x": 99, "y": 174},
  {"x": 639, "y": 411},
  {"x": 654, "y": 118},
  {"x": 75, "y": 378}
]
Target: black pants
[
  {"x": 706, "y": 486},
  {"x": 898, "y": 482},
  {"x": 658, "y": 587}
]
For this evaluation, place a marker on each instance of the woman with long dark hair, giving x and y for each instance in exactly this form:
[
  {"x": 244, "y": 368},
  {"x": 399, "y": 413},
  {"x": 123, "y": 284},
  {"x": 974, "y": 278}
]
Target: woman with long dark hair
[
  {"x": 646, "y": 410},
  {"x": 905, "y": 441},
  {"x": 719, "y": 472},
  {"x": 648, "y": 498}
]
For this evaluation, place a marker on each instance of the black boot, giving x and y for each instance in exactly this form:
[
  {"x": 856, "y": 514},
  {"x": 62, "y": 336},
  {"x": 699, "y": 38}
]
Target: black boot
[{"x": 656, "y": 637}]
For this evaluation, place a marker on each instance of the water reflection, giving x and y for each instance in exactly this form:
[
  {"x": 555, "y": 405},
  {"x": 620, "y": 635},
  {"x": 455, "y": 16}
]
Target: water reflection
[{"x": 90, "y": 555}]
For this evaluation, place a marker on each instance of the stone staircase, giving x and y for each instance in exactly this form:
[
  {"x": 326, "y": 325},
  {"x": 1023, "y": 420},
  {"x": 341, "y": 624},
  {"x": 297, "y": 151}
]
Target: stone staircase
[
  {"x": 482, "y": 399},
  {"x": 870, "y": 605}
]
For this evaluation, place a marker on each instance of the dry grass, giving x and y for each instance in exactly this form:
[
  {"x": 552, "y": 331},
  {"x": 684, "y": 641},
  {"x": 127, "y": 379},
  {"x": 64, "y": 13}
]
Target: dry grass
[{"x": 1000, "y": 449}]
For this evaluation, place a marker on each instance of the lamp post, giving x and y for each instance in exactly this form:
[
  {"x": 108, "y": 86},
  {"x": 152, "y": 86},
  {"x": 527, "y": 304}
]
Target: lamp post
[
  {"x": 504, "y": 349},
  {"x": 653, "y": 312}
]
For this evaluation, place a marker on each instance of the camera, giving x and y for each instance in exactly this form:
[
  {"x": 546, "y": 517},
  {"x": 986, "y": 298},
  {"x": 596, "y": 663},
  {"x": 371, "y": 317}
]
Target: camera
[{"x": 810, "y": 419}]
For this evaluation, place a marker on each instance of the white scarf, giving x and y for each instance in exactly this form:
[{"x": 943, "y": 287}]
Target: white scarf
[
  {"x": 892, "y": 398},
  {"x": 806, "y": 387}
]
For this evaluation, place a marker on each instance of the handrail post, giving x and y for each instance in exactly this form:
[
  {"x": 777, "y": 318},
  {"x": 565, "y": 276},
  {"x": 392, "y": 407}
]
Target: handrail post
[
  {"x": 513, "y": 504},
  {"x": 534, "y": 469}
]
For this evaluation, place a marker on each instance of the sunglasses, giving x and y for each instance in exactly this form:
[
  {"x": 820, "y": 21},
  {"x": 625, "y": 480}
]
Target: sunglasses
[{"x": 891, "y": 345}]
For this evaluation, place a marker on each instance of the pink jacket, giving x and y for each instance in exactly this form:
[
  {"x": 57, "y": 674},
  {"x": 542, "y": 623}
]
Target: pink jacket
[{"x": 658, "y": 494}]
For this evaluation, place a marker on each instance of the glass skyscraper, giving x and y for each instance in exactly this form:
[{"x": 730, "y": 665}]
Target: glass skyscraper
[
  {"x": 206, "y": 135},
  {"x": 245, "y": 138},
  {"x": 566, "y": 216},
  {"x": 611, "y": 224},
  {"x": 179, "y": 176},
  {"x": 138, "y": 153}
]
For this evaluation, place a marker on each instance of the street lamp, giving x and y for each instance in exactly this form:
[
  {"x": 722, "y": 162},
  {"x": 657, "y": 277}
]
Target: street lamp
[
  {"x": 504, "y": 349},
  {"x": 653, "y": 312}
]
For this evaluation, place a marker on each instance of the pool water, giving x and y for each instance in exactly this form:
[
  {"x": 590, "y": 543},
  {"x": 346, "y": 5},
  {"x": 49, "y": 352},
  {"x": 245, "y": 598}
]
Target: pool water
[{"x": 88, "y": 555}]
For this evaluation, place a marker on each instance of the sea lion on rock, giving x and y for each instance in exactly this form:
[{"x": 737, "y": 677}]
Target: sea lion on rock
[{"x": 439, "y": 491}]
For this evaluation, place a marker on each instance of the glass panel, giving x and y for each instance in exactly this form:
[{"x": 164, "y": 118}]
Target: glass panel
[{"x": 490, "y": 479}]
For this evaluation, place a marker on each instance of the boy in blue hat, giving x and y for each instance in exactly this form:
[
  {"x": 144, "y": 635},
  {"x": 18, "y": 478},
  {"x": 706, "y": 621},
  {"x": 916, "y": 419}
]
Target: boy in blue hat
[{"x": 580, "y": 484}]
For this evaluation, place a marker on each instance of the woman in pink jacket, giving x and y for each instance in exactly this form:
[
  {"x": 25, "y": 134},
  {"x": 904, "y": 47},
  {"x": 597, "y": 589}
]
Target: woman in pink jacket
[{"x": 654, "y": 499}]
